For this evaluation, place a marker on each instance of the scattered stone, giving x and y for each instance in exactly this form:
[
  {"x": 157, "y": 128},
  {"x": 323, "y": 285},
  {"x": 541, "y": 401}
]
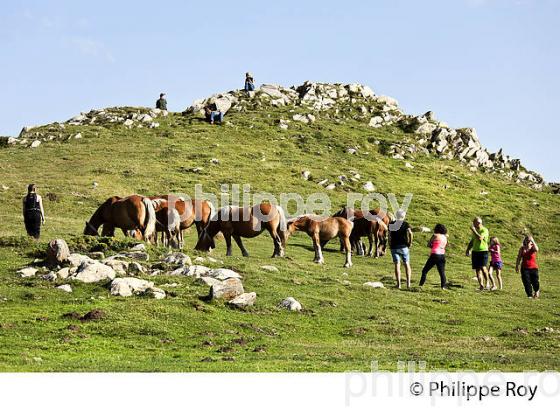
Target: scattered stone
[
  {"x": 27, "y": 272},
  {"x": 374, "y": 285},
  {"x": 65, "y": 288},
  {"x": 270, "y": 268},
  {"x": 244, "y": 300},
  {"x": 305, "y": 175},
  {"x": 351, "y": 151},
  {"x": 76, "y": 259},
  {"x": 177, "y": 259},
  {"x": 330, "y": 187},
  {"x": 368, "y": 186},
  {"x": 227, "y": 289},
  {"x": 63, "y": 273},
  {"x": 291, "y": 304},
  {"x": 51, "y": 276},
  {"x": 35, "y": 144},
  {"x": 138, "y": 248}
]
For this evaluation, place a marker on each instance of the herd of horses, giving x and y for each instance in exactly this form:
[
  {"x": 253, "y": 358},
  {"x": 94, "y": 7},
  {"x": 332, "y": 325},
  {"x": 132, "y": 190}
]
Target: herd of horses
[{"x": 145, "y": 218}]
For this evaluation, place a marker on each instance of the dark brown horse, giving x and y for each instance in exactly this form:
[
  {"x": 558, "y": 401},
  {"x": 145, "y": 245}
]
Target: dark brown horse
[
  {"x": 374, "y": 225},
  {"x": 323, "y": 229},
  {"x": 245, "y": 222},
  {"x": 134, "y": 215},
  {"x": 195, "y": 211}
]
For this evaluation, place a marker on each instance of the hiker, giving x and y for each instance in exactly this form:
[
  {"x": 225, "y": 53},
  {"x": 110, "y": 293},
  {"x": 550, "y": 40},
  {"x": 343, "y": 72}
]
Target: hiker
[
  {"x": 496, "y": 263},
  {"x": 478, "y": 250},
  {"x": 400, "y": 241},
  {"x": 33, "y": 213},
  {"x": 437, "y": 244},
  {"x": 249, "y": 82},
  {"x": 212, "y": 113},
  {"x": 529, "y": 269},
  {"x": 162, "y": 102}
]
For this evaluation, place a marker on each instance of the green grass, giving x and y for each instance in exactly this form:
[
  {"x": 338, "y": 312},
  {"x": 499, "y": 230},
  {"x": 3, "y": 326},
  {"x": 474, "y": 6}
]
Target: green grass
[{"x": 342, "y": 327}]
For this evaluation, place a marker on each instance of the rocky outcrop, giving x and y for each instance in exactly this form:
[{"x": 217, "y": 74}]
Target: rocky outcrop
[{"x": 57, "y": 252}]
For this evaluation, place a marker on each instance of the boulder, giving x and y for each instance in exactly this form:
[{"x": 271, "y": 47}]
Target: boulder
[
  {"x": 222, "y": 274},
  {"x": 93, "y": 271},
  {"x": 120, "y": 267},
  {"x": 57, "y": 252},
  {"x": 306, "y": 175},
  {"x": 227, "y": 289},
  {"x": 291, "y": 304},
  {"x": 130, "y": 286},
  {"x": 35, "y": 144},
  {"x": 270, "y": 268},
  {"x": 76, "y": 259},
  {"x": 63, "y": 273},
  {"x": 194, "y": 270},
  {"x": 244, "y": 300},
  {"x": 375, "y": 122}
]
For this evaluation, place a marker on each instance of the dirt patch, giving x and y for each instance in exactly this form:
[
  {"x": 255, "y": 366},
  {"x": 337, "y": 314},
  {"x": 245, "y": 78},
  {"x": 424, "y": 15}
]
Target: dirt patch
[
  {"x": 95, "y": 314},
  {"x": 71, "y": 315},
  {"x": 73, "y": 328}
]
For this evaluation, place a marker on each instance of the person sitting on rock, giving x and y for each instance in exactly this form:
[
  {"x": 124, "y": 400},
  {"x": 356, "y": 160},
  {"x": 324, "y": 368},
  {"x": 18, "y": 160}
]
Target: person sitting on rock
[
  {"x": 162, "y": 102},
  {"x": 33, "y": 212},
  {"x": 212, "y": 113},
  {"x": 249, "y": 82}
]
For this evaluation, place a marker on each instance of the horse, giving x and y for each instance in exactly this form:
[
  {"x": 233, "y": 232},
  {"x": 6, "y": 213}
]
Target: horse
[
  {"x": 135, "y": 215},
  {"x": 245, "y": 222},
  {"x": 323, "y": 229},
  {"x": 374, "y": 226},
  {"x": 168, "y": 222},
  {"x": 195, "y": 211}
]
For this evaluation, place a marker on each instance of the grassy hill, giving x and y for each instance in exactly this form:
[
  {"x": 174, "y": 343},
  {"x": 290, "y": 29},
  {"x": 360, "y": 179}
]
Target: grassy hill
[{"x": 343, "y": 326}]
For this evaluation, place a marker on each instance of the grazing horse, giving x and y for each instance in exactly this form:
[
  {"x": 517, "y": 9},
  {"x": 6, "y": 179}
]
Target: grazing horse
[
  {"x": 374, "y": 226},
  {"x": 245, "y": 222},
  {"x": 195, "y": 211},
  {"x": 323, "y": 229},
  {"x": 135, "y": 215},
  {"x": 168, "y": 222}
]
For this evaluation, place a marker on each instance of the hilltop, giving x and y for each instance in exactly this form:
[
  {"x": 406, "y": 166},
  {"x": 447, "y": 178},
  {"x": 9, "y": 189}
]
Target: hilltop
[{"x": 329, "y": 138}]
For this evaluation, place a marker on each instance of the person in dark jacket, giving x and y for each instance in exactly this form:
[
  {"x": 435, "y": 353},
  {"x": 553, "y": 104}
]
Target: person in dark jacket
[
  {"x": 33, "y": 212},
  {"x": 249, "y": 82},
  {"x": 162, "y": 102}
]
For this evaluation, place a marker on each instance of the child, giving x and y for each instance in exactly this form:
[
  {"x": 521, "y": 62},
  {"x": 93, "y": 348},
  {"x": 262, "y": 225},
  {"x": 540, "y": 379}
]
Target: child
[
  {"x": 437, "y": 244},
  {"x": 496, "y": 263},
  {"x": 529, "y": 268}
]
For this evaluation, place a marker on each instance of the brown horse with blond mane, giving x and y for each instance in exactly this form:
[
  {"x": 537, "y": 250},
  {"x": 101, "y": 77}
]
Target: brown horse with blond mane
[
  {"x": 245, "y": 222},
  {"x": 134, "y": 215},
  {"x": 323, "y": 229}
]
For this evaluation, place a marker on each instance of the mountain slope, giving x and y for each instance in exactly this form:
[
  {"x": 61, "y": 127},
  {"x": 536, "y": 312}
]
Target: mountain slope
[{"x": 343, "y": 326}]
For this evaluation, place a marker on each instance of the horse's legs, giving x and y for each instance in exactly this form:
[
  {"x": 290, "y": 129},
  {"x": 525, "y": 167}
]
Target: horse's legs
[
  {"x": 239, "y": 243},
  {"x": 348, "y": 250},
  {"x": 370, "y": 240},
  {"x": 278, "y": 249},
  {"x": 317, "y": 247},
  {"x": 227, "y": 237},
  {"x": 323, "y": 244}
]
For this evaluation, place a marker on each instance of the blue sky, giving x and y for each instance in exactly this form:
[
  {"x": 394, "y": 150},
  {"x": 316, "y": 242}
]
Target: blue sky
[{"x": 490, "y": 64}]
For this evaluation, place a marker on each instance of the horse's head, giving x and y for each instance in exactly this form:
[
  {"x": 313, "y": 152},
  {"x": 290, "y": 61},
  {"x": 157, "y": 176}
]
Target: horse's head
[
  {"x": 291, "y": 226},
  {"x": 206, "y": 238},
  {"x": 90, "y": 229}
]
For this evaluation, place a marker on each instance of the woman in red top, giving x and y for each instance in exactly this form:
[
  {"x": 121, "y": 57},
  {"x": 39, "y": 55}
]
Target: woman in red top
[{"x": 529, "y": 268}]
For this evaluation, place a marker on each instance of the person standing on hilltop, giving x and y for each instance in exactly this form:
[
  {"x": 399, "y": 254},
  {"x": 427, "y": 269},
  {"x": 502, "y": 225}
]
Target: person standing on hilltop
[
  {"x": 479, "y": 255},
  {"x": 249, "y": 82},
  {"x": 529, "y": 268},
  {"x": 33, "y": 212},
  {"x": 400, "y": 241},
  {"x": 162, "y": 102}
]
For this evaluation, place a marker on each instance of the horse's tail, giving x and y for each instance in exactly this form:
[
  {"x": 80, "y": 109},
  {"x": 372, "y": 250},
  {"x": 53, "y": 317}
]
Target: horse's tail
[
  {"x": 282, "y": 226},
  {"x": 149, "y": 219}
]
